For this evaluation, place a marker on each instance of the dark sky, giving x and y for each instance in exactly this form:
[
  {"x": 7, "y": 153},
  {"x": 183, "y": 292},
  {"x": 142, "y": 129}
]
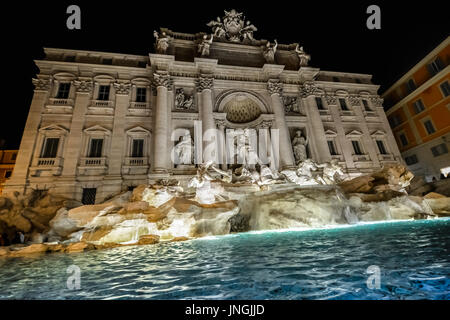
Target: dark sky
[{"x": 333, "y": 32}]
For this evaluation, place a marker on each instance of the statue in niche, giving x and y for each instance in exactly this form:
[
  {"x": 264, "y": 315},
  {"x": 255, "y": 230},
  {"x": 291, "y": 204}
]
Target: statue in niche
[
  {"x": 247, "y": 31},
  {"x": 203, "y": 47},
  {"x": 183, "y": 101},
  {"x": 299, "y": 144},
  {"x": 185, "y": 149},
  {"x": 269, "y": 51},
  {"x": 302, "y": 56},
  {"x": 162, "y": 42},
  {"x": 291, "y": 105}
]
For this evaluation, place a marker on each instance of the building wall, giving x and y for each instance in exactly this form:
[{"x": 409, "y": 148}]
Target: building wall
[
  {"x": 7, "y": 161},
  {"x": 436, "y": 109},
  {"x": 80, "y": 117}
]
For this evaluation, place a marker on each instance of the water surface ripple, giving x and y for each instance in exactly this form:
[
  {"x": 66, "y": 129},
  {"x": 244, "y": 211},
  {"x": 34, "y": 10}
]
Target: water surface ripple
[{"x": 413, "y": 257}]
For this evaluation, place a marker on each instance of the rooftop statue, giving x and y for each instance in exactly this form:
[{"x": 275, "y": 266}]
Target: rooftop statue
[
  {"x": 203, "y": 47},
  {"x": 269, "y": 51},
  {"x": 233, "y": 28},
  {"x": 162, "y": 42},
  {"x": 303, "y": 57}
]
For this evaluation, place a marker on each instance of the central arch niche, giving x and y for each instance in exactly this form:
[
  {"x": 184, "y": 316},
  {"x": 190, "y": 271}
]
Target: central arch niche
[{"x": 241, "y": 107}]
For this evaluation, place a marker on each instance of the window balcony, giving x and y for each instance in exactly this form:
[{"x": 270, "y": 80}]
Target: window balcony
[
  {"x": 136, "y": 161},
  {"x": 61, "y": 102},
  {"x": 93, "y": 162},
  {"x": 361, "y": 157},
  {"x": 42, "y": 167},
  {"x": 339, "y": 157},
  {"x": 139, "y": 108},
  {"x": 102, "y": 104},
  {"x": 135, "y": 166},
  {"x": 386, "y": 157}
]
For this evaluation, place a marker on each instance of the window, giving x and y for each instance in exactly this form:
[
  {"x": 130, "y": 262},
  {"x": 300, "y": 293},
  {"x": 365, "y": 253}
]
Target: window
[
  {"x": 13, "y": 156},
  {"x": 142, "y": 64},
  {"x": 410, "y": 85},
  {"x": 358, "y": 80},
  {"x": 343, "y": 104},
  {"x": 103, "y": 93},
  {"x": 381, "y": 147},
  {"x": 138, "y": 148},
  {"x": 356, "y": 147},
  {"x": 335, "y": 79},
  {"x": 107, "y": 61},
  {"x": 141, "y": 94},
  {"x": 8, "y": 174},
  {"x": 366, "y": 105},
  {"x": 395, "y": 120},
  {"x": 331, "y": 147},
  {"x": 319, "y": 103},
  {"x": 89, "y": 195},
  {"x": 445, "y": 87},
  {"x": 410, "y": 160},
  {"x": 435, "y": 66},
  {"x": 63, "y": 90},
  {"x": 403, "y": 139},
  {"x": 439, "y": 150},
  {"x": 50, "y": 148},
  {"x": 418, "y": 106},
  {"x": 96, "y": 148},
  {"x": 429, "y": 127}
]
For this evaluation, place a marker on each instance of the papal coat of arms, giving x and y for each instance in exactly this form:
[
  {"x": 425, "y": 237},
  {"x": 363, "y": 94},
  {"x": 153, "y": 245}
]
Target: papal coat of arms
[{"x": 232, "y": 27}]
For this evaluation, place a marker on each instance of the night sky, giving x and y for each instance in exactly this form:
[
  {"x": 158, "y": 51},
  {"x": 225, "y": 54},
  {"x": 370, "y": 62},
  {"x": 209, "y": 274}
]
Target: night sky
[{"x": 333, "y": 32}]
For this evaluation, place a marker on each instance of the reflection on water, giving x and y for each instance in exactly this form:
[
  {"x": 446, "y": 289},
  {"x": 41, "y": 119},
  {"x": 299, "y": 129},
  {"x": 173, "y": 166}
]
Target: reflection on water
[{"x": 414, "y": 258}]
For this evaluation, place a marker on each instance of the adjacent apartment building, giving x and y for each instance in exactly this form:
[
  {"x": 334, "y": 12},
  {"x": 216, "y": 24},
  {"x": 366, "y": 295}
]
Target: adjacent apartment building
[
  {"x": 419, "y": 114},
  {"x": 7, "y": 161}
]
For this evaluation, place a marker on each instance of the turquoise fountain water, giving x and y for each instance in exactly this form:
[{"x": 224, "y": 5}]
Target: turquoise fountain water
[{"x": 413, "y": 258}]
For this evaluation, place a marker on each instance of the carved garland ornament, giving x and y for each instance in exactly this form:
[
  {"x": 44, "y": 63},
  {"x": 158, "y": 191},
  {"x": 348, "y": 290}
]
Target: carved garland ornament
[
  {"x": 122, "y": 88},
  {"x": 83, "y": 85},
  {"x": 307, "y": 89}
]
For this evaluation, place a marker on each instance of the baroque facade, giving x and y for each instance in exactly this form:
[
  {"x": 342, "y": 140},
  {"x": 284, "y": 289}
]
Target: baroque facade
[{"x": 100, "y": 123}]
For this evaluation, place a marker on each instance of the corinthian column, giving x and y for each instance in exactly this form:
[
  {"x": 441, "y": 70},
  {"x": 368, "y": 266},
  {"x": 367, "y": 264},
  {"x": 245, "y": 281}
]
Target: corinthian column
[
  {"x": 204, "y": 86},
  {"x": 162, "y": 83},
  {"x": 275, "y": 88}
]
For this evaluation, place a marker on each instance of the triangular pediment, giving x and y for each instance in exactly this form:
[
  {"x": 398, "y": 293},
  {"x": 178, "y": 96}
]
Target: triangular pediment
[
  {"x": 330, "y": 132},
  {"x": 54, "y": 128},
  {"x": 354, "y": 133},
  {"x": 378, "y": 133},
  {"x": 138, "y": 130},
  {"x": 97, "y": 129}
]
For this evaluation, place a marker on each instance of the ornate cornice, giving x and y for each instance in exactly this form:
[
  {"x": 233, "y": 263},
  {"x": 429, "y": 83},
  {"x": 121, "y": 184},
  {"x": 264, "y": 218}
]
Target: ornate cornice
[
  {"x": 83, "y": 85},
  {"x": 122, "y": 88},
  {"x": 42, "y": 84},
  {"x": 220, "y": 122},
  {"x": 205, "y": 82},
  {"x": 275, "y": 86},
  {"x": 162, "y": 80}
]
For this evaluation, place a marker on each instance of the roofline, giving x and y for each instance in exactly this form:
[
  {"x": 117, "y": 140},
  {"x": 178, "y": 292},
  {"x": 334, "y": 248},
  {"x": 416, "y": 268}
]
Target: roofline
[
  {"x": 91, "y": 52},
  {"x": 421, "y": 63}
]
